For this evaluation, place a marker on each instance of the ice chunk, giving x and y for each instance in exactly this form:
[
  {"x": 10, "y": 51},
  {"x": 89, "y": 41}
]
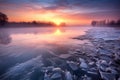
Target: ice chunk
[
  {"x": 68, "y": 75},
  {"x": 46, "y": 77},
  {"x": 107, "y": 76},
  {"x": 83, "y": 63},
  {"x": 72, "y": 65},
  {"x": 56, "y": 75}
]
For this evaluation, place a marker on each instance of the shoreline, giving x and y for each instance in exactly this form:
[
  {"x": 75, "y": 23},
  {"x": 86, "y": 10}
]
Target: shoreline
[{"x": 95, "y": 61}]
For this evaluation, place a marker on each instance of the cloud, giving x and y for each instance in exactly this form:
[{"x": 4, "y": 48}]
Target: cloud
[
  {"x": 67, "y": 4},
  {"x": 77, "y": 9}
]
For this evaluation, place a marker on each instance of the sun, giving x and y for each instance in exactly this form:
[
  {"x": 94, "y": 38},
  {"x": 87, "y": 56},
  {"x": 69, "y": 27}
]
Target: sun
[{"x": 58, "y": 21}]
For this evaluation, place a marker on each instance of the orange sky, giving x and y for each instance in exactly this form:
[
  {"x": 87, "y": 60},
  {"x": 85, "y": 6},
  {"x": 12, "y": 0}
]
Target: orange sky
[
  {"x": 60, "y": 11},
  {"x": 52, "y": 16}
]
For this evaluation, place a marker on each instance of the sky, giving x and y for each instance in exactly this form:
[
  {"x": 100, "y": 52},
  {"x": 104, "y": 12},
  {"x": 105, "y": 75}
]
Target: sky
[{"x": 73, "y": 12}]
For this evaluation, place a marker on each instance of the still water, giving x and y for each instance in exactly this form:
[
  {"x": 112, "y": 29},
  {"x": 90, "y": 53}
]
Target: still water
[{"x": 22, "y": 49}]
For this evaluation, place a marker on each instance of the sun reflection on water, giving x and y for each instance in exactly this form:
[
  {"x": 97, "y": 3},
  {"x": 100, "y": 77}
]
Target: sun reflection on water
[
  {"x": 58, "y": 32},
  {"x": 44, "y": 36}
]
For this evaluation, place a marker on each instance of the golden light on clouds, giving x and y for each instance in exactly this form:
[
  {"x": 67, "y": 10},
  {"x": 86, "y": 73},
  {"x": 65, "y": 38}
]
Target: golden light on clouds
[
  {"x": 50, "y": 17},
  {"x": 59, "y": 11}
]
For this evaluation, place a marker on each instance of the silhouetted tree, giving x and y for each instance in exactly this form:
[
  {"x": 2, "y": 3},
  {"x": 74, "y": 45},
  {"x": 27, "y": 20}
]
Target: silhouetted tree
[
  {"x": 3, "y": 18},
  {"x": 93, "y": 23},
  {"x": 34, "y": 22},
  {"x": 109, "y": 23},
  {"x": 118, "y": 22},
  {"x": 112, "y": 22}
]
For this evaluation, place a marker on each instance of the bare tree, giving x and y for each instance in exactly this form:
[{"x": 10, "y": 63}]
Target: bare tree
[{"x": 3, "y": 19}]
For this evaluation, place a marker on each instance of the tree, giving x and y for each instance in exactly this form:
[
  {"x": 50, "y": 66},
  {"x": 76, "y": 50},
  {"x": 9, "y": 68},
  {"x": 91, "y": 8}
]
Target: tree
[
  {"x": 93, "y": 23},
  {"x": 3, "y": 19},
  {"x": 112, "y": 22},
  {"x": 118, "y": 22},
  {"x": 34, "y": 22}
]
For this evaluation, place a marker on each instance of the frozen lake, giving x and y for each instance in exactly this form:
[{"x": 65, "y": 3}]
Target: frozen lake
[{"x": 24, "y": 52}]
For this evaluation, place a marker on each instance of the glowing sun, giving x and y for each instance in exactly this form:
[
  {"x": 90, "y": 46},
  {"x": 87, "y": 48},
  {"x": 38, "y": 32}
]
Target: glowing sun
[{"x": 58, "y": 21}]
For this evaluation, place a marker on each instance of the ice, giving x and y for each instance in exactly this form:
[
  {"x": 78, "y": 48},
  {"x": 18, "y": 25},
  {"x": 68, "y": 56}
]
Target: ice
[
  {"x": 72, "y": 65},
  {"x": 68, "y": 75},
  {"x": 22, "y": 68},
  {"x": 35, "y": 54}
]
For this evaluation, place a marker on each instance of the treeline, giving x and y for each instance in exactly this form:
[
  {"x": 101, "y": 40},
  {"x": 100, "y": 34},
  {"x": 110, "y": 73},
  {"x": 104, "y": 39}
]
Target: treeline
[
  {"x": 106, "y": 23},
  {"x": 37, "y": 23},
  {"x": 32, "y": 23},
  {"x": 4, "y": 21}
]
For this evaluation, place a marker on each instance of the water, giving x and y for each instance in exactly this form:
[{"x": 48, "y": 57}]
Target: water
[{"x": 23, "y": 50}]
